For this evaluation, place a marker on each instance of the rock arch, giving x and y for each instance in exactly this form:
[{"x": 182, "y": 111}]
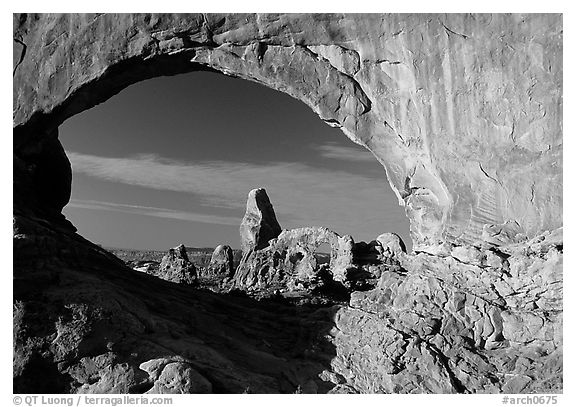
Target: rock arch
[
  {"x": 469, "y": 162},
  {"x": 291, "y": 255},
  {"x": 308, "y": 240}
]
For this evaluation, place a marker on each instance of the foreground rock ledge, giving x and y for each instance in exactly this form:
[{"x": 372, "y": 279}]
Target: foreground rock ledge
[{"x": 84, "y": 323}]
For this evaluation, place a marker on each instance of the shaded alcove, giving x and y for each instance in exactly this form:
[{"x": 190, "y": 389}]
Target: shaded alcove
[{"x": 207, "y": 125}]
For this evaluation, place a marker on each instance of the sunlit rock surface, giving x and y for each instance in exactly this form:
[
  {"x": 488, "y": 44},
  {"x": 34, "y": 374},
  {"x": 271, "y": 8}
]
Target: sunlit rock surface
[
  {"x": 176, "y": 267},
  {"x": 259, "y": 224},
  {"x": 221, "y": 263},
  {"x": 463, "y": 111},
  {"x": 445, "y": 317},
  {"x": 291, "y": 258}
]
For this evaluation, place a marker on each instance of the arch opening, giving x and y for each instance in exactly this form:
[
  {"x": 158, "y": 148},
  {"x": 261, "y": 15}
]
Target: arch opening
[
  {"x": 162, "y": 162},
  {"x": 323, "y": 254}
]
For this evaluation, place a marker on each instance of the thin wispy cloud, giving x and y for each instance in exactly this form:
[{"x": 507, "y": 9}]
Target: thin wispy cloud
[
  {"x": 165, "y": 213},
  {"x": 301, "y": 194},
  {"x": 337, "y": 152}
]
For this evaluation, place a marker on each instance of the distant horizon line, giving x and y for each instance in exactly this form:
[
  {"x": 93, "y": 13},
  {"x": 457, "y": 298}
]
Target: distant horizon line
[{"x": 158, "y": 250}]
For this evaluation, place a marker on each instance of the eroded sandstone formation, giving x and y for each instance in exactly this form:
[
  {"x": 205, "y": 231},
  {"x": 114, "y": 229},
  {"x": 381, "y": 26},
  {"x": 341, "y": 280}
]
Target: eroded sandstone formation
[
  {"x": 176, "y": 267},
  {"x": 259, "y": 224},
  {"x": 290, "y": 259},
  {"x": 221, "y": 263},
  {"x": 463, "y": 111},
  {"x": 491, "y": 322},
  {"x": 175, "y": 376}
]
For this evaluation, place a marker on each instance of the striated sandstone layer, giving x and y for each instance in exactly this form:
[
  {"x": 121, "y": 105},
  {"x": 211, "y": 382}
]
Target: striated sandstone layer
[{"x": 463, "y": 111}]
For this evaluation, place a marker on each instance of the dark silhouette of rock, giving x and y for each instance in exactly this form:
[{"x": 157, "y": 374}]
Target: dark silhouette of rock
[
  {"x": 259, "y": 224},
  {"x": 176, "y": 267}
]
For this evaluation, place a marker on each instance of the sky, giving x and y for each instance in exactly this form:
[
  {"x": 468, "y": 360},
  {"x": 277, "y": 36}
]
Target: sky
[{"x": 171, "y": 160}]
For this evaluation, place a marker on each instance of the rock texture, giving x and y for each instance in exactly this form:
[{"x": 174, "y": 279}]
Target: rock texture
[
  {"x": 176, "y": 267},
  {"x": 450, "y": 325},
  {"x": 175, "y": 376},
  {"x": 290, "y": 259},
  {"x": 259, "y": 224},
  {"x": 221, "y": 263},
  {"x": 391, "y": 244},
  {"x": 85, "y": 323},
  {"x": 464, "y": 111}
]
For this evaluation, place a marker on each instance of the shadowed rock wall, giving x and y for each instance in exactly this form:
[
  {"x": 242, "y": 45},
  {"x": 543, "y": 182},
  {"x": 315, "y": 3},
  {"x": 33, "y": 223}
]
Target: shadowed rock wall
[{"x": 464, "y": 111}]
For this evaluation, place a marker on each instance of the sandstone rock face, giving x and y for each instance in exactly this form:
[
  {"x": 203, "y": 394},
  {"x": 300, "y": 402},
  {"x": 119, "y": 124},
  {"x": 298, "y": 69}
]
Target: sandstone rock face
[
  {"x": 176, "y": 267},
  {"x": 464, "y": 111},
  {"x": 447, "y": 314},
  {"x": 221, "y": 262},
  {"x": 259, "y": 224}
]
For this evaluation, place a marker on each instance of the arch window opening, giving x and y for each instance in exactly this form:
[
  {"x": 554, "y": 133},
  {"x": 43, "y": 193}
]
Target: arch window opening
[
  {"x": 170, "y": 160},
  {"x": 323, "y": 254}
]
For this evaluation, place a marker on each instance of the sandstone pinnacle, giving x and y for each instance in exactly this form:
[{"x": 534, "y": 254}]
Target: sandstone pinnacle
[{"x": 259, "y": 224}]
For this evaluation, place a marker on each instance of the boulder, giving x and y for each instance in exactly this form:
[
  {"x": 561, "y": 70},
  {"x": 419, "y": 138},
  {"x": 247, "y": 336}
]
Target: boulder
[
  {"x": 221, "y": 263},
  {"x": 259, "y": 224},
  {"x": 175, "y": 376},
  {"x": 176, "y": 267},
  {"x": 392, "y": 244}
]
